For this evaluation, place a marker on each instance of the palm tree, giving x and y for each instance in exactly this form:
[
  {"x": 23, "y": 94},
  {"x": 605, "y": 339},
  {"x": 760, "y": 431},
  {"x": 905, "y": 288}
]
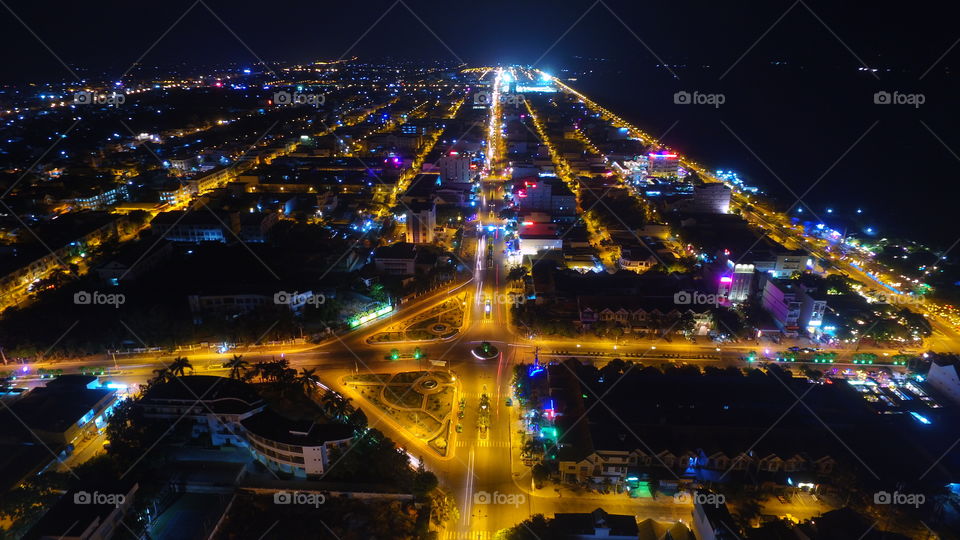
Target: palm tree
[
  {"x": 162, "y": 375},
  {"x": 179, "y": 366},
  {"x": 308, "y": 380},
  {"x": 259, "y": 371},
  {"x": 336, "y": 406},
  {"x": 238, "y": 367}
]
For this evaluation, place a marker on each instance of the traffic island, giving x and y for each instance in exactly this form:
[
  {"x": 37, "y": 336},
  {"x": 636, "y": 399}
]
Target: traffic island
[
  {"x": 485, "y": 351},
  {"x": 441, "y": 322},
  {"x": 419, "y": 402}
]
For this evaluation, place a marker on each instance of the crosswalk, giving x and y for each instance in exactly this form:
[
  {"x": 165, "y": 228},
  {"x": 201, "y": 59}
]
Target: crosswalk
[
  {"x": 483, "y": 443},
  {"x": 468, "y": 535}
]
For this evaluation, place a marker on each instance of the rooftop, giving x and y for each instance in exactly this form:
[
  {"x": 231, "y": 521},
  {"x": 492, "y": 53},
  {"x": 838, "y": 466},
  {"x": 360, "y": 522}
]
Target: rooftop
[{"x": 273, "y": 427}]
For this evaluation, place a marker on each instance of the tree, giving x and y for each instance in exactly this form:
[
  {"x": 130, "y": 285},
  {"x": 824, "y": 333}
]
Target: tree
[
  {"x": 424, "y": 483},
  {"x": 161, "y": 376},
  {"x": 540, "y": 473},
  {"x": 238, "y": 367},
  {"x": 336, "y": 406},
  {"x": 179, "y": 366},
  {"x": 308, "y": 380},
  {"x": 443, "y": 508},
  {"x": 534, "y": 528},
  {"x": 517, "y": 273}
]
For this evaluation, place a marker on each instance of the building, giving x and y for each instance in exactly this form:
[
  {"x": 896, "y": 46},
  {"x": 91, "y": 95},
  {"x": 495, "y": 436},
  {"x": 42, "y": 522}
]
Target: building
[
  {"x": 88, "y": 514},
  {"x": 710, "y": 199},
  {"x": 537, "y": 237},
  {"x": 59, "y": 242},
  {"x": 642, "y": 314},
  {"x": 421, "y": 222},
  {"x": 396, "y": 259},
  {"x": 97, "y": 198},
  {"x": 215, "y": 405},
  {"x": 134, "y": 261},
  {"x": 737, "y": 287},
  {"x": 713, "y": 521},
  {"x": 793, "y": 307},
  {"x": 687, "y": 427},
  {"x": 548, "y": 196},
  {"x": 454, "y": 168},
  {"x": 663, "y": 164},
  {"x": 66, "y": 410},
  {"x": 255, "y": 226},
  {"x": 637, "y": 259},
  {"x": 175, "y": 193},
  {"x": 597, "y": 524},
  {"x": 195, "y": 227},
  {"x": 944, "y": 376},
  {"x": 299, "y": 447},
  {"x": 780, "y": 264}
]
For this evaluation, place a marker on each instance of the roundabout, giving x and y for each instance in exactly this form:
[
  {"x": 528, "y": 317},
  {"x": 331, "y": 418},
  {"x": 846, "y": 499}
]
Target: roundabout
[{"x": 485, "y": 351}]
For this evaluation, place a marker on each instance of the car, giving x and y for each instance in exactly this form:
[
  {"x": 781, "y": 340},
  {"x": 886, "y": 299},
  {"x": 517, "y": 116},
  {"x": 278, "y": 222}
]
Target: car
[{"x": 509, "y": 402}]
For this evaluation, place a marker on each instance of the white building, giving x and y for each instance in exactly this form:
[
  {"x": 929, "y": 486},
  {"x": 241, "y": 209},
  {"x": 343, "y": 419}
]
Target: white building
[{"x": 299, "y": 447}]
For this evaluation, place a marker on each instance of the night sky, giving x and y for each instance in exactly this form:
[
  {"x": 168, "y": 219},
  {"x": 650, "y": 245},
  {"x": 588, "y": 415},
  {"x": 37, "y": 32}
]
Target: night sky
[
  {"x": 796, "y": 107},
  {"x": 113, "y": 33}
]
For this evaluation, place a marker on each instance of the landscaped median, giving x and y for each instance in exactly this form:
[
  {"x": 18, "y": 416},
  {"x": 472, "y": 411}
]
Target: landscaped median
[
  {"x": 442, "y": 321},
  {"x": 420, "y": 402}
]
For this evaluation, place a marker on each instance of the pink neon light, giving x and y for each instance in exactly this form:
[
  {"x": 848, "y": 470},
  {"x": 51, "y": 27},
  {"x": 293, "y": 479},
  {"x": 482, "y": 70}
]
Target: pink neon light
[{"x": 726, "y": 279}]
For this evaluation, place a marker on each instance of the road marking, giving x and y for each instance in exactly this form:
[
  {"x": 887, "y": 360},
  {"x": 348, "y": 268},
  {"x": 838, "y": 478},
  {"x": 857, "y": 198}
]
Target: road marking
[
  {"x": 468, "y": 535},
  {"x": 468, "y": 490},
  {"x": 482, "y": 443}
]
